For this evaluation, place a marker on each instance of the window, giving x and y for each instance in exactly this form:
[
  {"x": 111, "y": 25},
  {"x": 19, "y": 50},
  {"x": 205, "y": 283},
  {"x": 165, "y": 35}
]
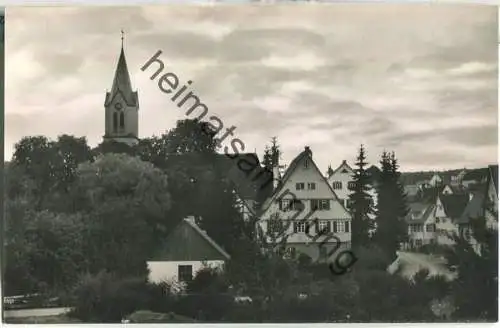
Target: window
[
  {"x": 437, "y": 220},
  {"x": 122, "y": 120},
  {"x": 337, "y": 185},
  {"x": 299, "y": 227},
  {"x": 115, "y": 121},
  {"x": 291, "y": 251},
  {"x": 320, "y": 204},
  {"x": 344, "y": 171},
  {"x": 351, "y": 185},
  {"x": 291, "y": 205},
  {"x": 323, "y": 227},
  {"x": 430, "y": 228},
  {"x": 275, "y": 226},
  {"x": 311, "y": 185},
  {"x": 299, "y": 186},
  {"x": 418, "y": 242},
  {"x": 346, "y": 226},
  {"x": 185, "y": 272},
  {"x": 340, "y": 226}
]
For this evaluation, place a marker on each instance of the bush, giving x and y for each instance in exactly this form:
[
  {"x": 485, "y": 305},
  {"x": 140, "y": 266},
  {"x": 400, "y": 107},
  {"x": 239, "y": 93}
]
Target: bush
[{"x": 104, "y": 298}]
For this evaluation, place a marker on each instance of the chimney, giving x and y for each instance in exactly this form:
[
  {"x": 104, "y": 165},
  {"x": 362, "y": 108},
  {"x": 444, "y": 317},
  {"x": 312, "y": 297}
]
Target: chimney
[{"x": 308, "y": 150}]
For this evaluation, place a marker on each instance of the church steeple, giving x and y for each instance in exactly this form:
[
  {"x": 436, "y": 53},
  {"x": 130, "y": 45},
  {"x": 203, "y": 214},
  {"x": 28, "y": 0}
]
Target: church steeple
[
  {"x": 122, "y": 105},
  {"x": 121, "y": 82}
]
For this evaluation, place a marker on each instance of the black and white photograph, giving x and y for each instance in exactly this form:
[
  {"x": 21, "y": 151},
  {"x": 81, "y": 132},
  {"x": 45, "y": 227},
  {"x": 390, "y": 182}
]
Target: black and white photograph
[{"x": 249, "y": 162}]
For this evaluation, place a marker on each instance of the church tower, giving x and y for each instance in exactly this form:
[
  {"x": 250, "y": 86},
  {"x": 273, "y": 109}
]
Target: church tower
[{"x": 122, "y": 107}]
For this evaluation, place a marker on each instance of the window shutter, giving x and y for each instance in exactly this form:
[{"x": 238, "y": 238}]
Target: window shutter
[
  {"x": 295, "y": 227},
  {"x": 334, "y": 226},
  {"x": 346, "y": 226},
  {"x": 281, "y": 205}
]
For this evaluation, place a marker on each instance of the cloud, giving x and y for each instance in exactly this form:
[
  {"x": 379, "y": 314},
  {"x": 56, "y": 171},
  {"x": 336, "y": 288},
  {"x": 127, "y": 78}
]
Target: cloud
[{"x": 417, "y": 79}]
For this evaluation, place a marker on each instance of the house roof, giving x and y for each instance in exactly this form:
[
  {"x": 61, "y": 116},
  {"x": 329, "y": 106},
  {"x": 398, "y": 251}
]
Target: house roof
[
  {"x": 345, "y": 166},
  {"x": 187, "y": 242},
  {"x": 455, "y": 189},
  {"x": 291, "y": 168},
  {"x": 474, "y": 209},
  {"x": 476, "y": 174},
  {"x": 419, "y": 212},
  {"x": 454, "y": 205}
]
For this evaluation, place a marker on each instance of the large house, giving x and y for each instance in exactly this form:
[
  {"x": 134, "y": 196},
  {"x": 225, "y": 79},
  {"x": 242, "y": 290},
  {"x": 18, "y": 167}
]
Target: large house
[
  {"x": 187, "y": 249},
  {"x": 305, "y": 204}
]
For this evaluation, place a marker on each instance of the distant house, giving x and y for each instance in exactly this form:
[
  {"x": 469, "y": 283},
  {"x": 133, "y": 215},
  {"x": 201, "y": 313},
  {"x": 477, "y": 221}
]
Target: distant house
[
  {"x": 421, "y": 224},
  {"x": 449, "y": 209},
  {"x": 186, "y": 250},
  {"x": 436, "y": 180},
  {"x": 303, "y": 195},
  {"x": 456, "y": 180},
  {"x": 451, "y": 189},
  {"x": 477, "y": 176},
  {"x": 341, "y": 182}
]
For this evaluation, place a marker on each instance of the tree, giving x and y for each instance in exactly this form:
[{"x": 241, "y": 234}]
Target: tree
[
  {"x": 391, "y": 229},
  {"x": 272, "y": 154},
  {"x": 475, "y": 261},
  {"x": 191, "y": 136},
  {"x": 127, "y": 202},
  {"x": 361, "y": 202},
  {"x": 50, "y": 165}
]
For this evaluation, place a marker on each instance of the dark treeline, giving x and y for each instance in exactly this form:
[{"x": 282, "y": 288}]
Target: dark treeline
[{"x": 81, "y": 223}]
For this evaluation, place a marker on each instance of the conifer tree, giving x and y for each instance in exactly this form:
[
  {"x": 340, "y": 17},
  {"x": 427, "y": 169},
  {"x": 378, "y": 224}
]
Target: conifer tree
[
  {"x": 391, "y": 207},
  {"x": 361, "y": 202}
]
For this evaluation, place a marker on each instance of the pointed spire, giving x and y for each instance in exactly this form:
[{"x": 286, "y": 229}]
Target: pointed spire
[{"x": 121, "y": 82}]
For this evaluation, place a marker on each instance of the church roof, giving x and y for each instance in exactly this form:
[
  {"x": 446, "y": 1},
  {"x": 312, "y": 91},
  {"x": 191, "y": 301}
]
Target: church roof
[{"x": 122, "y": 84}]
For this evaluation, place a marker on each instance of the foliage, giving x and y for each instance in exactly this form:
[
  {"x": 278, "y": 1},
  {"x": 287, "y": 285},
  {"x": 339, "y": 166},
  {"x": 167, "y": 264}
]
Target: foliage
[
  {"x": 104, "y": 298},
  {"x": 272, "y": 154},
  {"x": 361, "y": 202},
  {"x": 475, "y": 290},
  {"x": 391, "y": 228}
]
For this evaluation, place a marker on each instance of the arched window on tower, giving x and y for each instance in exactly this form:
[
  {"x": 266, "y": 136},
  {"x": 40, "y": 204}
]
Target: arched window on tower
[
  {"x": 115, "y": 121},
  {"x": 122, "y": 120}
]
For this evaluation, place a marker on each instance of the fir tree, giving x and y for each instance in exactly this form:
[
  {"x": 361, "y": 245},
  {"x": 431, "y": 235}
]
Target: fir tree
[
  {"x": 361, "y": 202},
  {"x": 391, "y": 207}
]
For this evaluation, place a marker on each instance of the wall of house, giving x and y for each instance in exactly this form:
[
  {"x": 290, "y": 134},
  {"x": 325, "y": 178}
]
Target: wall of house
[
  {"x": 168, "y": 270},
  {"x": 444, "y": 225},
  {"x": 344, "y": 179}
]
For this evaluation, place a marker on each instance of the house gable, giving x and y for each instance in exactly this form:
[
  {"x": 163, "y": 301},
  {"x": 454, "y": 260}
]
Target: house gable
[
  {"x": 304, "y": 170},
  {"x": 187, "y": 242}
]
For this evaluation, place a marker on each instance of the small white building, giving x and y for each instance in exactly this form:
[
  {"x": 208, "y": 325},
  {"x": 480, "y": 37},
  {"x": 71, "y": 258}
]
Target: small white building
[
  {"x": 186, "y": 250},
  {"x": 436, "y": 180}
]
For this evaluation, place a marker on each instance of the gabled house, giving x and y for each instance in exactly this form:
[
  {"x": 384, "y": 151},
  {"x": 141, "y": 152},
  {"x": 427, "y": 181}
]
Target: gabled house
[
  {"x": 186, "y": 250},
  {"x": 451, "y": 189},
  {"x": 421, "y": 224},
  {"x": 456, "y": 180},
  {"x": 341, "y": 182},
  {"x": 449, "y": 209},
  {"x": 436, "y": 180},
  {"x": 304, "y": 205}
]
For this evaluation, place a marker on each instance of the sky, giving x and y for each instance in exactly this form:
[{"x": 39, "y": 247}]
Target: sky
[{"x": 419, "y": 80}]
